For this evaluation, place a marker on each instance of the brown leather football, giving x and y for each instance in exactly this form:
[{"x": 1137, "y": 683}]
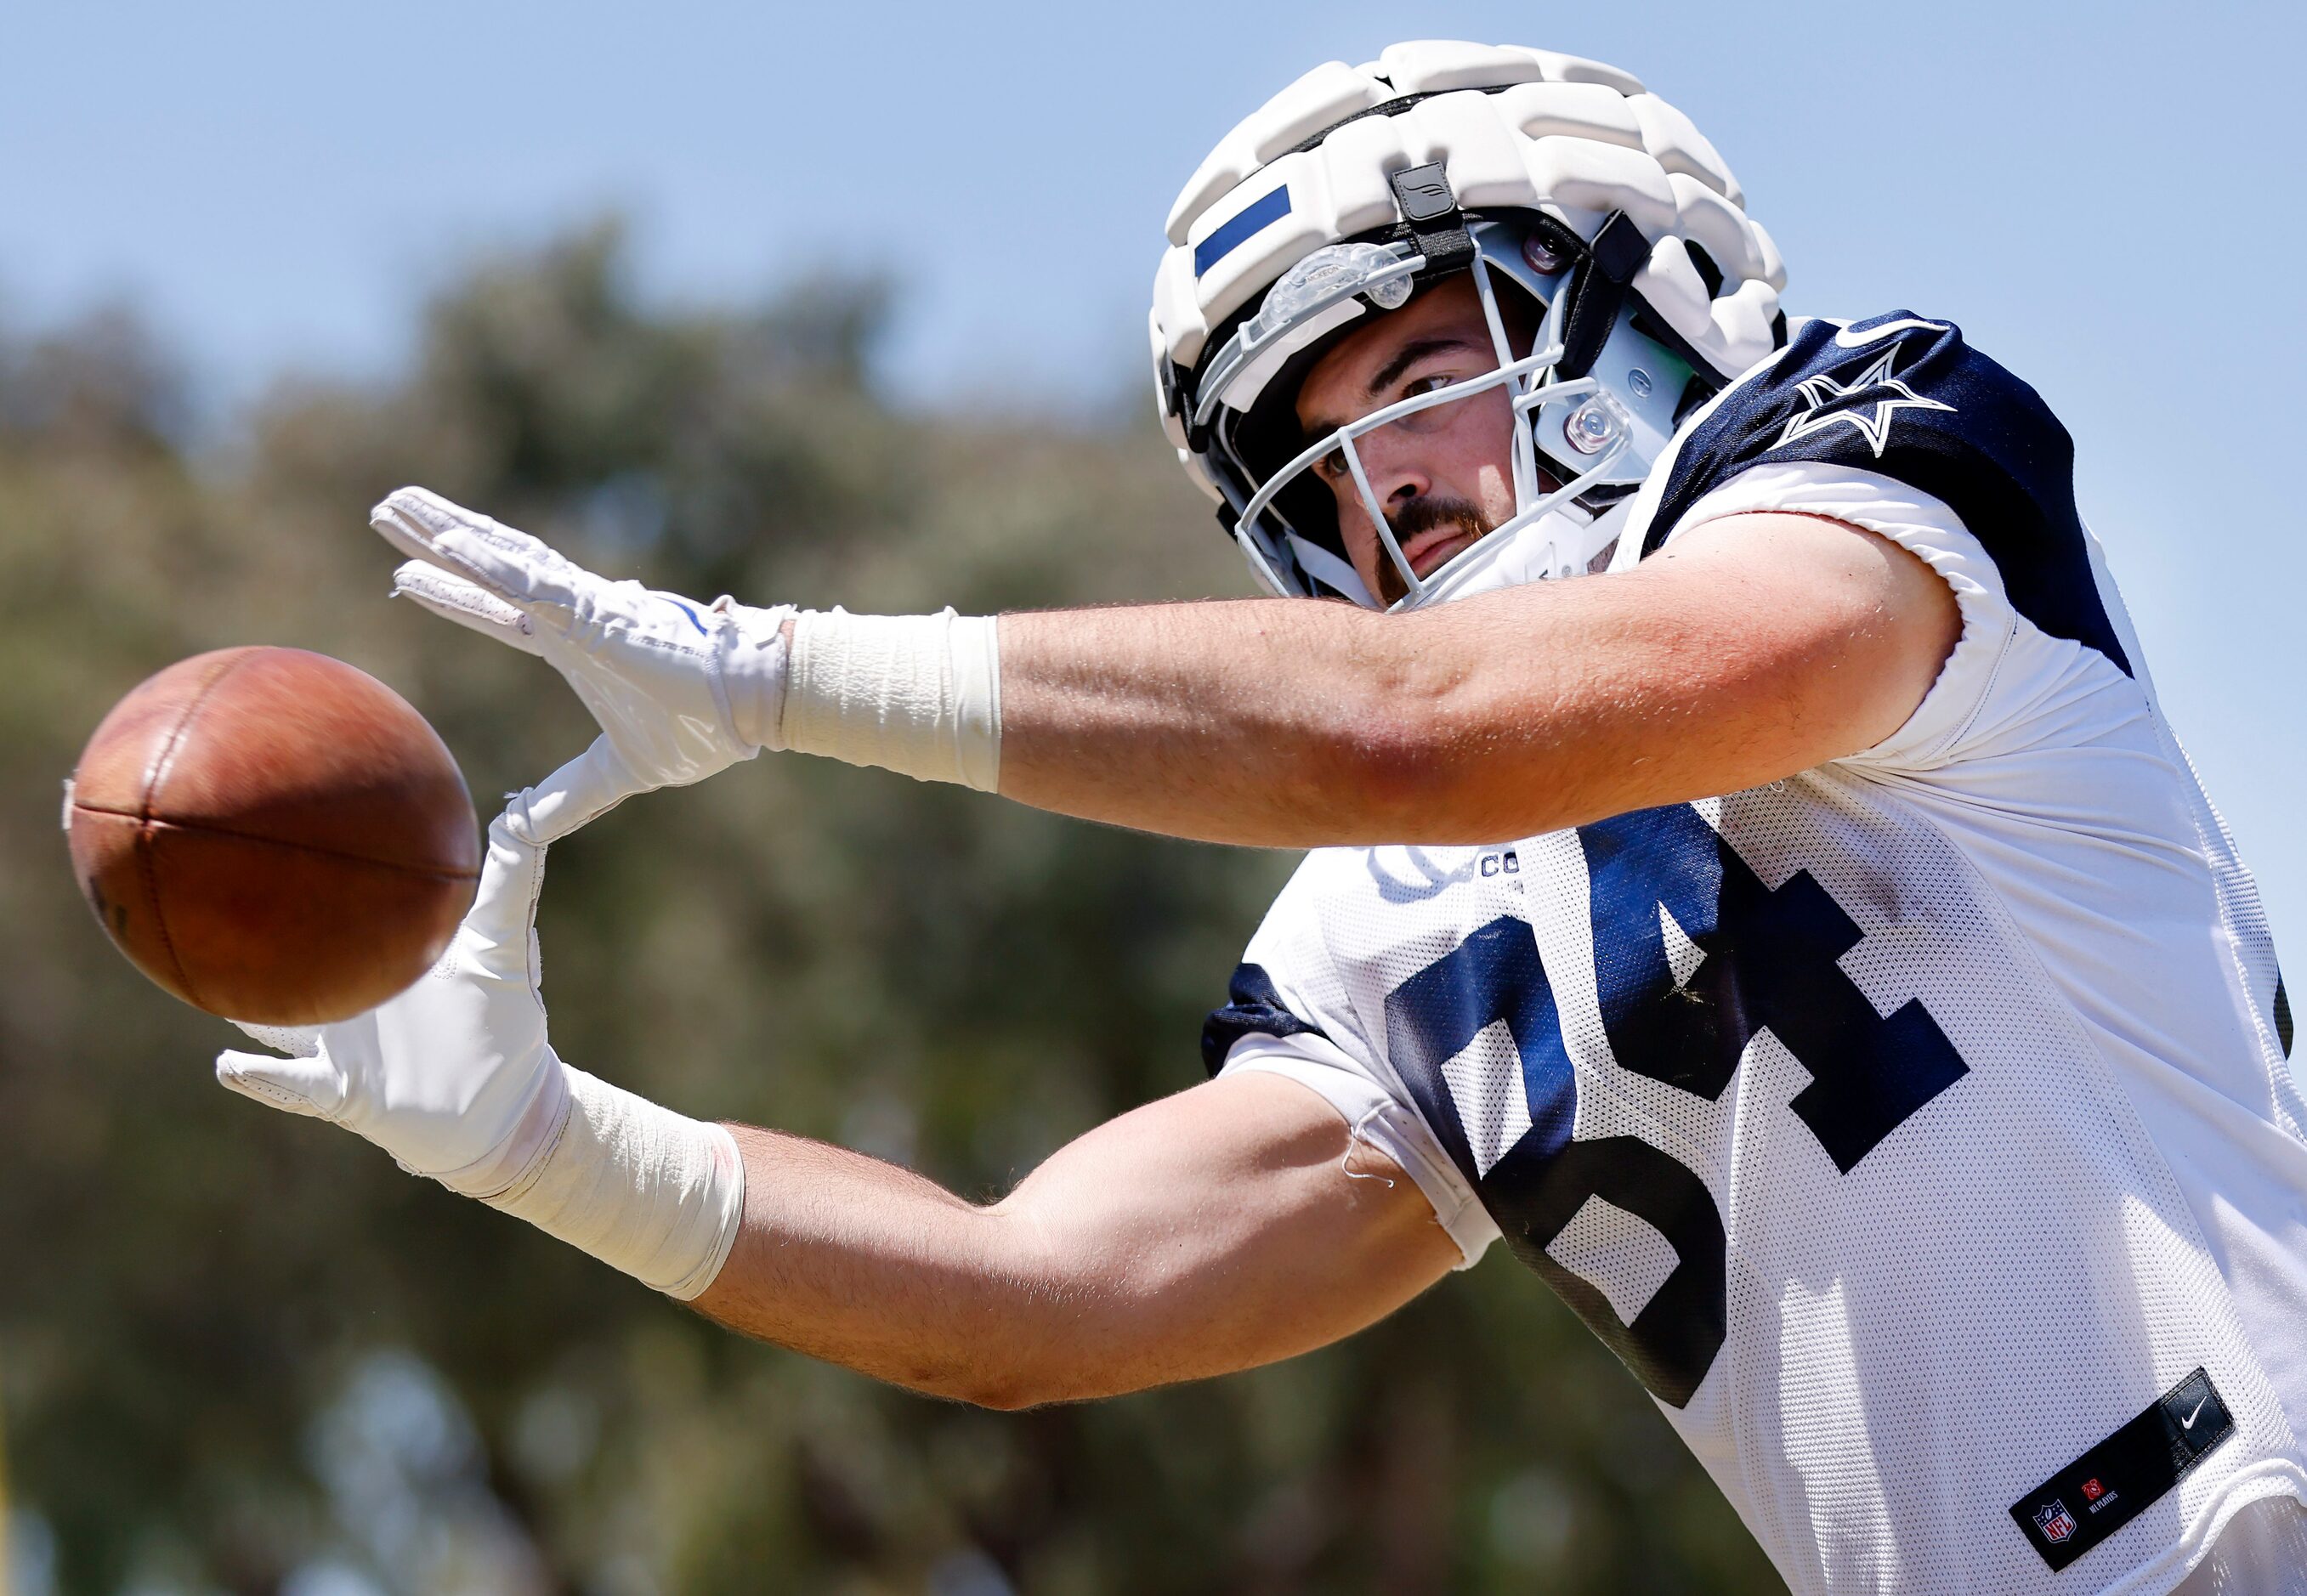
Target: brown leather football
[{"x": 273, "y": 836}]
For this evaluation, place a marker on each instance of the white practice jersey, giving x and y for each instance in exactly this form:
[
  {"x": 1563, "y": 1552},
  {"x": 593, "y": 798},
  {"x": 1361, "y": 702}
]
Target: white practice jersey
[{"x": 1918, "y": 1129}]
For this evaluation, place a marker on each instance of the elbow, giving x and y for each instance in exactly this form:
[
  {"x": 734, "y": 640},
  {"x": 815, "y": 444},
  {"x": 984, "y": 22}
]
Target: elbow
[
  {"x": 1075, "y": 1357},
  {"x": 998, "y": 1390},
  {"x": 1013, "y": 1389}
]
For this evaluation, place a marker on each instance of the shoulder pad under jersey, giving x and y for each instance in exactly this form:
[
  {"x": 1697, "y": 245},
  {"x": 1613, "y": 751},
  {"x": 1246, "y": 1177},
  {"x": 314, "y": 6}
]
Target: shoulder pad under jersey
[{"x": 1906, "y": 398}]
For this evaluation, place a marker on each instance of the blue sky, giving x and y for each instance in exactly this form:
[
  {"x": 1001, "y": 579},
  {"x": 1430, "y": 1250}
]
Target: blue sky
[{"x": 2107, "y": 198}]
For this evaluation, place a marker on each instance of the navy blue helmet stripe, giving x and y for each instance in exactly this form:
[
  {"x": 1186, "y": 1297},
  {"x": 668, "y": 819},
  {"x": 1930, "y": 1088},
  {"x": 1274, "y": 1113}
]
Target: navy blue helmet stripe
[{"x": 1257, "y": 214}]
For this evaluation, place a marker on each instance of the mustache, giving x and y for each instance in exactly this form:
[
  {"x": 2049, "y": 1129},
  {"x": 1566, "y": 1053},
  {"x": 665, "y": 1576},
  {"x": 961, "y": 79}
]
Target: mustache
[{"x": 1422, "y": 516}]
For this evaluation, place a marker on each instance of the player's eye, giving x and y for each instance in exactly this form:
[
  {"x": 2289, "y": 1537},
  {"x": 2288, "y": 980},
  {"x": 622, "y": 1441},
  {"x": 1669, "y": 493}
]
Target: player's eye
[
  {"x": 1333, "y": 467},
  {"x": 1434, "y": 417}
]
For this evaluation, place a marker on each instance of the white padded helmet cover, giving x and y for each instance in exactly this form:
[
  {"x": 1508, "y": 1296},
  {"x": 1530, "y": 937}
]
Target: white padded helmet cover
[{"x": 1514, "y": 129}]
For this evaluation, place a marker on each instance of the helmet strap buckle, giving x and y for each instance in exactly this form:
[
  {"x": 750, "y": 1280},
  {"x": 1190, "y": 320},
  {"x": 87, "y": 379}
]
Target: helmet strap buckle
[
  {"x": 1616, "y": 253},
  {"x": 1431, "y": 207}
]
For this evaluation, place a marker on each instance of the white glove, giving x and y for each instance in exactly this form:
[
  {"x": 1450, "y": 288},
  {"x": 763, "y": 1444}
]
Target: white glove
[
  {"x": 444, "y": 1075},
  {"x": 456, "y": 1080},
  {"x": 681, "y": 689}
]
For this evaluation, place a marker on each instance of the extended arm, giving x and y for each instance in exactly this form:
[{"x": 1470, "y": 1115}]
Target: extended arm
[
  {"x": 1752, "y": 647},
  {"x": 1227, "y": 1226}
]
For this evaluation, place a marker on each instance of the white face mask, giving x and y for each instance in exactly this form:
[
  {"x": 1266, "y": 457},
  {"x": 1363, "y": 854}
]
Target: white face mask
[
  {"x": 1608, "y": 424},
  {"x": 1546, "y": 549}
]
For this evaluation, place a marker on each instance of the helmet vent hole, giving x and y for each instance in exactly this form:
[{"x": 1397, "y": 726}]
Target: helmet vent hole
[{"x": 1708, "y": 272}]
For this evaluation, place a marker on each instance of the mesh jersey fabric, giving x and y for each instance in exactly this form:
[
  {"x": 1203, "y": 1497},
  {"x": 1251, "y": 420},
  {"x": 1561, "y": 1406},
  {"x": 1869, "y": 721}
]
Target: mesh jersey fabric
[{"x": 1910, "y": 1124}]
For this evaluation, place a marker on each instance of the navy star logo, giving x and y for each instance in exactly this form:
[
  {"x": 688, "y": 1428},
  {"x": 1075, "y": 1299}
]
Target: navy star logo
[{"x": 1869, "y": 405}]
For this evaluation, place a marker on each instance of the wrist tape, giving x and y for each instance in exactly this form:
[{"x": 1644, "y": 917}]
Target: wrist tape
[
  {"x": 916, "y": 694},
  {"x": 645, "y": 1190}
]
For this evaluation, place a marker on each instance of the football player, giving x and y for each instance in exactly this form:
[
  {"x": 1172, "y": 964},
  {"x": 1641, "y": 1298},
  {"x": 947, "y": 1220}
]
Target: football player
[{"x": 1752, "y": 880}]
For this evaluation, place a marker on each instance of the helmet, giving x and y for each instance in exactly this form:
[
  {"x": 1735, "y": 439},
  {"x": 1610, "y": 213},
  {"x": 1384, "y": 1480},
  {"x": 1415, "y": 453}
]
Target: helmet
[{"x": 1582, "y": 205}]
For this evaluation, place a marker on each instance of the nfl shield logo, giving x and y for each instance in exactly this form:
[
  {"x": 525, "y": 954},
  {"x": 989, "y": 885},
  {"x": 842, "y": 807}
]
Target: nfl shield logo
[{"x": 2055, "y": 1522}]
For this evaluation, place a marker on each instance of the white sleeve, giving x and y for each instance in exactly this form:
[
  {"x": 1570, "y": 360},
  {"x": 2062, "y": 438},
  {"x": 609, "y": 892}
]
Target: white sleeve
[
  {"x": 1378, "y": 1119},
  {"x": 2007, "y": 684},
  {"x": 1288, "y": 1012}
]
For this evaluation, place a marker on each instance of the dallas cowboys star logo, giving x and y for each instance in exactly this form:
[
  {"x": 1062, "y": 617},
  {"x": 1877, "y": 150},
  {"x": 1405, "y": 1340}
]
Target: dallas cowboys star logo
[{"x": 1830, "y": 402}]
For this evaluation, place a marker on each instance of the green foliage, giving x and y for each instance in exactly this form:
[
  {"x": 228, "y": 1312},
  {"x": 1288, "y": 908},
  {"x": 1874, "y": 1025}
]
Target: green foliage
[{"x": 233, "y": 1343}]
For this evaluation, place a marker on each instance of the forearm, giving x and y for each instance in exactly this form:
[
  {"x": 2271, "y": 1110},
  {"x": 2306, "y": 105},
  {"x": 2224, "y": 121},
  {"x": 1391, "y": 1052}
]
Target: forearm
[
  {"x": 1287, "y": 723},
  {"x": 1233, "y": 722},
  {"x": 1256, "y": 721},
  {"x": 860, "y": 1263},
  {"x": 1217, "y": 1230},
  {"x": 1270, "y": 722}
]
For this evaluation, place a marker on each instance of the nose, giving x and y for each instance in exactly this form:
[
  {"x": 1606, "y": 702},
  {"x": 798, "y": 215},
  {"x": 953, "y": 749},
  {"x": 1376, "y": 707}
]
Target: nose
[{"x": 1397, "y": 476}]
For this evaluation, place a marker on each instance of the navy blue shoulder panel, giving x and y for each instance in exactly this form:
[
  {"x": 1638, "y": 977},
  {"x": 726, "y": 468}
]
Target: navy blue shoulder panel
[
  {"x": 1915, "y": 403},
  {"x": 1253, "y": 1007}
]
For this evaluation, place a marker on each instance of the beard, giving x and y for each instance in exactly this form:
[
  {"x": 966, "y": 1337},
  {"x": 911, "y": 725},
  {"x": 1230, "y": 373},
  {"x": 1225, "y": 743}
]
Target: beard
[{"x": 1421, "y": 515}]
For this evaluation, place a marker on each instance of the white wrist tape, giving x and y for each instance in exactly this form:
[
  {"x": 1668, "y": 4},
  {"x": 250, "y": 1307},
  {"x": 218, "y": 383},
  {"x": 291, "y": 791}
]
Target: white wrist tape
[
  {"x": 916, "y": 694},
  {"x": 639, "y": 1187},
  {"x": 755, "y": 661}
]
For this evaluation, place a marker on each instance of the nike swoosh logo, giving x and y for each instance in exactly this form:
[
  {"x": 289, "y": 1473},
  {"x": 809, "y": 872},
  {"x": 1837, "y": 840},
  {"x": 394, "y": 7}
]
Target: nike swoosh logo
[
  {"x": 2189, "y": 1421},
  {"x": 1847, "y": 340}
]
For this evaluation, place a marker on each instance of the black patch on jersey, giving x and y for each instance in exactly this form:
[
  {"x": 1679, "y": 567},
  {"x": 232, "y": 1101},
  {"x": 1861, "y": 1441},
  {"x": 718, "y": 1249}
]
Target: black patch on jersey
[
  {"x": 1253, "y": 1007},
  {"x": 2282, "y": 1015},
  {"x": 2125, "y": 1474},
  {"x": 1922, "y": 408}
]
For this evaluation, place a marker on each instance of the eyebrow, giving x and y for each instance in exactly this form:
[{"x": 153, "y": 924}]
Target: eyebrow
[{"x": 1387, "y": 375}]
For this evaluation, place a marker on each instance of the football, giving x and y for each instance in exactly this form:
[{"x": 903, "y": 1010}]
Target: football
[{"x": 272, "y": 835}]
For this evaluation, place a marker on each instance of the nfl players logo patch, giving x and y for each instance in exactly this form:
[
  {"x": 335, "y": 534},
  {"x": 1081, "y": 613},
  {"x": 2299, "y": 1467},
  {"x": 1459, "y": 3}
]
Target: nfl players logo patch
[
  {"x": 2123, "y": 1475},
  {"x": 2055, "y": 1522}
]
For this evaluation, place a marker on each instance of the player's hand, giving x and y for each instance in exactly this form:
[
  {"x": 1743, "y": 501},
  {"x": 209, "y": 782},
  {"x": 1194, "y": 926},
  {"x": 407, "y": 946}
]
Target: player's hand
[
  {"x": 669, "y": 680},
  {"x": 454, "y": 1077}
]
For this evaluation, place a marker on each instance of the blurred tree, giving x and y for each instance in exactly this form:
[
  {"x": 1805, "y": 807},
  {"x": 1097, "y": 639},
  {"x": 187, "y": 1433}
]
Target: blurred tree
[{"x": 246, "y": 1354}]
